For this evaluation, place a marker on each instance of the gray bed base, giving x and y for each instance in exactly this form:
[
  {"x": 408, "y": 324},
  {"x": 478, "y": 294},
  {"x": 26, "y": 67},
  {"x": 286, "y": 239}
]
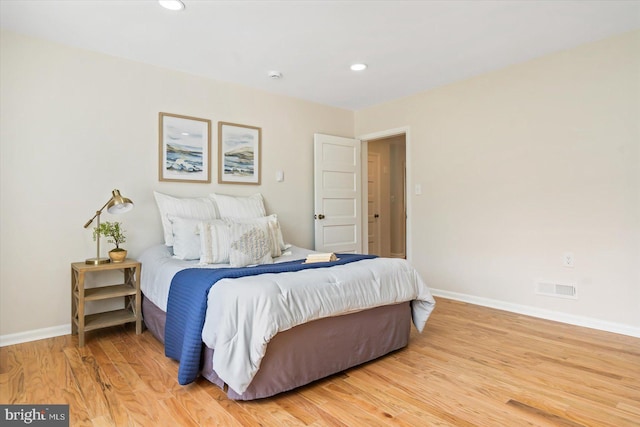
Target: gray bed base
[{"x": 310, "y": 351}]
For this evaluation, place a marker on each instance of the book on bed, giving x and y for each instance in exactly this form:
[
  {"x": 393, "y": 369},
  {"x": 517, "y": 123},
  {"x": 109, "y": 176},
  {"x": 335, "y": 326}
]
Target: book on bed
[{"x": 321, "y": 257}]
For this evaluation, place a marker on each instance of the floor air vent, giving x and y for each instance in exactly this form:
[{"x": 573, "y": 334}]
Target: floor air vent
[{"x": 559, "y": 290}]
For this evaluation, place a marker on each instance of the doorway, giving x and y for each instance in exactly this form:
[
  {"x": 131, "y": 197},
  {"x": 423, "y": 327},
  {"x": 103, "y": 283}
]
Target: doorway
[{"x": 386, "y": 196}]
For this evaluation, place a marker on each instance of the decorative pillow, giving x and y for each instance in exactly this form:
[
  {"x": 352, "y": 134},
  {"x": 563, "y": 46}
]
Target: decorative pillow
[
  {"x": 202, "y": 208},
  {"x": 215, "y": 240},
  {"x": 186, "y": 237},
  {"x": 239, "y": 207},
  {"x": 250, "y": 244},
  {"x": 276, "y": 241}
]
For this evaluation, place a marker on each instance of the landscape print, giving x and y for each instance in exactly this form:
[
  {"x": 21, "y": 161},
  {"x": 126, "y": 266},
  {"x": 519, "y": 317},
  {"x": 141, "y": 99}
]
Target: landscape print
[
  {"x": 185, "y": 145},
  {"x": 239, "y": 154}
]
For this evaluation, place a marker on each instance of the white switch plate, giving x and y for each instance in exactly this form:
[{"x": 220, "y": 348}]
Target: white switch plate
[
  {"x": 568, "y": 260},
  {"x": 418, "y": 189}
]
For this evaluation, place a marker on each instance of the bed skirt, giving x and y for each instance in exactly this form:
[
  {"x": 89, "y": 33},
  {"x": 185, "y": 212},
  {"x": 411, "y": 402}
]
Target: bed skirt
[{"x": 313, "y": 350}]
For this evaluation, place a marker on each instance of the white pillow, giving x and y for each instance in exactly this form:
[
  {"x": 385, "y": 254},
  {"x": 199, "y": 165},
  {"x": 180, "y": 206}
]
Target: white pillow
[
  {"x": 250, "y": 244},
  {"x": 239, "y": 207},
  {"x": 202, "y": 208},
  {"x": 186, "y": 237},
  {"x": 276, "y": 242},
  {"x": 215, "y": 241}
]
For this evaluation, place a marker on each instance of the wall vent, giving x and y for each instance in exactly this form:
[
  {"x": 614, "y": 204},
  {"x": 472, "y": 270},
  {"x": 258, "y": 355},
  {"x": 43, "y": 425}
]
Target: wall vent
[{"x": 560, "y": 290}]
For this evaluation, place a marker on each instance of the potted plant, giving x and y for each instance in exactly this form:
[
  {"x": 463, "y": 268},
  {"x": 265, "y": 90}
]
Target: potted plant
[{"x": 115, "y": 234}]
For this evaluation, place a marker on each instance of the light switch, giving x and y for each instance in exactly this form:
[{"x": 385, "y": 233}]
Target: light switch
[
  {"x": 418, "y": 189},
  {"x": 279, "y": 176}
]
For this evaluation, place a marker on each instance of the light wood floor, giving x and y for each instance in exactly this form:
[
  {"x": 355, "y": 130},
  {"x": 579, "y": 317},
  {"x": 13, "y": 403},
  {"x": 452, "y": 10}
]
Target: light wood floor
[{"x": 473, "y": 366}]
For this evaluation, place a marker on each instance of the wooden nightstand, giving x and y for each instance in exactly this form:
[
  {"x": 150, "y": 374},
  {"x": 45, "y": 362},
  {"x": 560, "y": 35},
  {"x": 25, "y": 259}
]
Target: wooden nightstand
[{"x": 130, "y": 290}]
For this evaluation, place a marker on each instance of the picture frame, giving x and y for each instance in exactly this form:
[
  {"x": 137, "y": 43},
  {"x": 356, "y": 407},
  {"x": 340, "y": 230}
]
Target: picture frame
[
  {"x": 185, "y": 148},
  {"x": 239, "y": 154}
]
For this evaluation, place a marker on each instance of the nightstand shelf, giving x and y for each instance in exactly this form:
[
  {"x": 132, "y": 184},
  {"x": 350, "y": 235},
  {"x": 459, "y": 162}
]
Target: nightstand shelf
[
  {"x": 108, "y": 318},
  {"x": 106, "y": 292},
  {"x": 129, "y": 291}
]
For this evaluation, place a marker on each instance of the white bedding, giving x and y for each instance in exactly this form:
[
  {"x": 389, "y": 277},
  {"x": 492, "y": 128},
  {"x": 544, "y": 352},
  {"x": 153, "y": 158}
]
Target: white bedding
[{"x": 244, "y": 314}]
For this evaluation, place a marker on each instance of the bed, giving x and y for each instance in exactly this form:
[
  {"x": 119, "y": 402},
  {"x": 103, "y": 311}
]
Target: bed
[{"x": 264, "y": 328}]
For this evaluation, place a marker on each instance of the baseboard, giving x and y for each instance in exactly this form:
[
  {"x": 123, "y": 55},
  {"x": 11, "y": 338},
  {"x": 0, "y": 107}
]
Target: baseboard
[
  {"x": 34, "y": 335},
  {"x": 587, "y": 322}
]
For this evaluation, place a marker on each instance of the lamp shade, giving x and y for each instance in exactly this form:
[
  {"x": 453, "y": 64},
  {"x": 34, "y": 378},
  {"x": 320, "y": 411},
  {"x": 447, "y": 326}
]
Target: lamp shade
[{"x": 119, "y": 204}]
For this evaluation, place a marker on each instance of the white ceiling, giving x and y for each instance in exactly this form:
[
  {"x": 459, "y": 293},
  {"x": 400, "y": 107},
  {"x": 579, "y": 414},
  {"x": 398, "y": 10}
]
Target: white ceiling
[{"x": 410, "y": 46}]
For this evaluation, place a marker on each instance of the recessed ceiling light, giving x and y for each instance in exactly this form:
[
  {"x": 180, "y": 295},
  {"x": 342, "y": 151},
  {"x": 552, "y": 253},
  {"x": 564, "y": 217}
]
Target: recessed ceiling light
[
  {"x": 275, "y": 75},
  {"x": 171, "y": 4},
  {"x": 358, "y": 67}
]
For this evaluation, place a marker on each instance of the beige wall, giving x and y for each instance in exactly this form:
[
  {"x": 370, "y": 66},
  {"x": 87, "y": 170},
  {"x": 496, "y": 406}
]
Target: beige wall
[
  {"x": 523, "y": 164},
  {"x": 76, "y": 125}
]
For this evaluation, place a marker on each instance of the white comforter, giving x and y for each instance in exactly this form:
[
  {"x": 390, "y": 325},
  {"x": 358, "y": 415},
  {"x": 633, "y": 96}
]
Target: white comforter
[{"x": 244, "y": 314}]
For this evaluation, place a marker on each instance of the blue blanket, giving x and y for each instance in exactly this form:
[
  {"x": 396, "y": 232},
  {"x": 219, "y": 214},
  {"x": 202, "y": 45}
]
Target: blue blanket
[{"x": 187, "y": 307}]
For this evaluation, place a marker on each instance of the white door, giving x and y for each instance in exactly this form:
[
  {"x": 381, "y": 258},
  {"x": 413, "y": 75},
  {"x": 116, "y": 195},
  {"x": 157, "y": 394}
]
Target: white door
[
  {"x": 337, "y": 198},
  {"x": 373, "y": 203}
]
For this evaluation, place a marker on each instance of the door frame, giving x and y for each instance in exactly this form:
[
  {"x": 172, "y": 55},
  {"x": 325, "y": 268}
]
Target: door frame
[{"x": 364, "y": 153}]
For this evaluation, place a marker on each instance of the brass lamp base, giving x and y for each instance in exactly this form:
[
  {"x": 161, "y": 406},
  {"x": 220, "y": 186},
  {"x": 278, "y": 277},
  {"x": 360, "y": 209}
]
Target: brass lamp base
[{"x": 97, "y": 261}]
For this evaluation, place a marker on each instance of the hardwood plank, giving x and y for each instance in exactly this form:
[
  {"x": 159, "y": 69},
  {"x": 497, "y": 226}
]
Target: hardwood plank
[
  {"x": 305, "y": 411},
  {"x": 34, "y": 384},
  {"x": 472, "y": 366},
  {"x": 536, "y": 412},
  {"x": 269, "y": 413},
  {"x": 235, "y": 409},
  {"x": 178, "y": 414},
  {"x": 120, "y": 390},
  {"x": 110, "y": 384},
  {"x": 81, "y": 364},
  {"x": 12, "y": 388},
  {"x": 346, "y": 412},
  {"x": 203, "y": 409}
]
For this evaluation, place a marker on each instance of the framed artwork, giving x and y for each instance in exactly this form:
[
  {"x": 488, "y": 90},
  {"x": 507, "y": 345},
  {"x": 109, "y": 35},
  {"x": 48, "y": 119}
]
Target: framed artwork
[
  {"x": 239, "y": 154},
  {"x": 185, "y": 148}
]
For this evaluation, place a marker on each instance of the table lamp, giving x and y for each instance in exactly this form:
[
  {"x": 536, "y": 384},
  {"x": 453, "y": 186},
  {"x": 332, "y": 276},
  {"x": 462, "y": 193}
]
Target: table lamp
[{"x": 115, "y": 205}]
